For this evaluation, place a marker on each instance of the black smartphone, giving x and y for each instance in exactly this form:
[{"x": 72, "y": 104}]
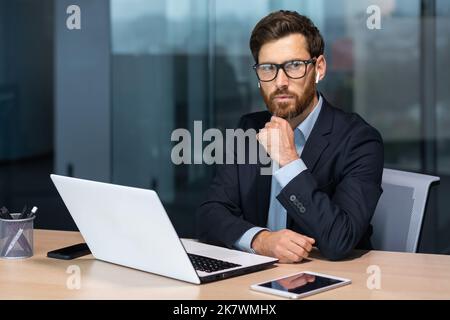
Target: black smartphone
[{"x": 71, "y": 252}]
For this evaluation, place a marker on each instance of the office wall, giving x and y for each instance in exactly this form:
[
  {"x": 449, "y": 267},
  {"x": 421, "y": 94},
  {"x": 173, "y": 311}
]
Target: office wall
[
  {"x": 143, "y": 119},
  {"x": 82, "y": 92},
  {"x": 26, "y": 77},
  {"x": 2, "y": 41},
  {"x": 160, "y": 79},
  {"x": 443, "y": 121}
]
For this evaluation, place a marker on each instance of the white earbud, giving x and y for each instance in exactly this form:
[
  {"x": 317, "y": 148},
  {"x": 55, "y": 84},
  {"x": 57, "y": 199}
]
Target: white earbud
[
  {"x": 317, "y": 77},
  {"x": 259, "y": 85}
]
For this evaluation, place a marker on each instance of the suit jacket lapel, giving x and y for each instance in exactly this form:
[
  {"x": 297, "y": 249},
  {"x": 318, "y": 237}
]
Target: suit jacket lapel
[
  {"x": 314, "y": 147},
  {"x": 316, "y": 144},
  {"x": 263, "y": 195},
  {"x": 264, "y": 182},
  {"x": 318, "y": 141}
]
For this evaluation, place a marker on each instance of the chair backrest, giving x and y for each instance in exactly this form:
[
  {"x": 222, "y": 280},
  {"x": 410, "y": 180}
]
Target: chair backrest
[{"x": 397, "y": 220}]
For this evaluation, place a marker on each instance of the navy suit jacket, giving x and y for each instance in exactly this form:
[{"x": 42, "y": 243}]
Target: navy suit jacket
[{"x": 333, "y": 201}]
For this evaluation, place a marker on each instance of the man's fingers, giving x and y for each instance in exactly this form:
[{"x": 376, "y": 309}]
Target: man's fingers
[
  {"x": 277, "y": 120},
  {"x": 311, "y": 240},
  {"x": 298, "y": 250},
  {"x": 289, "y": 246},
  {"x": 307, "y": 244},
  {"x": 289, "y": 256},
  {"x": 272, "y": 125},
  {"x": 286, "y": 254},
  {"x": 261, "y": 134},
  {"x": 303, "y": 241}
]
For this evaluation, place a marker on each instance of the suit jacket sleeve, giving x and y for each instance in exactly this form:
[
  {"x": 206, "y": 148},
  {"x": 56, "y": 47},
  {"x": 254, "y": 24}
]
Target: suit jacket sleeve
[
  {"x": 219, "y": 217},
  {"x": 338, "y": 223}
]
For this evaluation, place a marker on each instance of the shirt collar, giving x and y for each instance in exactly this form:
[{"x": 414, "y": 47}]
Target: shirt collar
[{"x": 307, "y": 125}]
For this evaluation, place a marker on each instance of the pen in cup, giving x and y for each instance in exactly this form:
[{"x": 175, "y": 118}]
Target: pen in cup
[
  {"x": 32, "y": 212},
  {"x": 19, "y": 236},
  {"x": 14, "y": 240},
  {"x": 23, "y": 214},
  {"x": 4, "y": 214}
]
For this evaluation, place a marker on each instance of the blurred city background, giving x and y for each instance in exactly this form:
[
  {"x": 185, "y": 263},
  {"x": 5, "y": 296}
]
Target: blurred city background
[{"x": 101, "y": 102}]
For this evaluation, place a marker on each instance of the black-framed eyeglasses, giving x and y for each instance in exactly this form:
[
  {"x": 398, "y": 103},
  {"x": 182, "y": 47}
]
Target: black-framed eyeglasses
[{"x": 294, "y": 69}]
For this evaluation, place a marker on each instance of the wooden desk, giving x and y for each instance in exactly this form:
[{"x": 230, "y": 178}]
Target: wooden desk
[{"x": 403, "y": 276}]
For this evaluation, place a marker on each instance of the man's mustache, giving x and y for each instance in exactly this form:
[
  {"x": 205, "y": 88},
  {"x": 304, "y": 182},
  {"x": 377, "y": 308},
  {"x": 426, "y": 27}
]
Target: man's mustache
[{"x": 282, "y": 93}]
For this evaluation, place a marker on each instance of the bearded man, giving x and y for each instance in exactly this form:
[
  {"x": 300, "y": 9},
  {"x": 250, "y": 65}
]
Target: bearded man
[{"x": 328, "y": 164}]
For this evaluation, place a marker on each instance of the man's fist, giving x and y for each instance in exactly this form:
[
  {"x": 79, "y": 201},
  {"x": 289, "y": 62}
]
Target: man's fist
[
  {"x": 277, "y": 138},
  {"x": 285, "y": 245}
]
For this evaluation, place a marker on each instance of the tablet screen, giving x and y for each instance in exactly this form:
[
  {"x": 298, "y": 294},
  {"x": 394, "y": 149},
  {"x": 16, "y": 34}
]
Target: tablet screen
[{"x": 301, "y": 283}]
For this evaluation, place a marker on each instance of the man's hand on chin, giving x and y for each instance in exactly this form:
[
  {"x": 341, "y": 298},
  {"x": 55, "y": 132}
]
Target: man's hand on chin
[
  {"x": 285, "y": 245},
  {"x": 277, "y": 138}
]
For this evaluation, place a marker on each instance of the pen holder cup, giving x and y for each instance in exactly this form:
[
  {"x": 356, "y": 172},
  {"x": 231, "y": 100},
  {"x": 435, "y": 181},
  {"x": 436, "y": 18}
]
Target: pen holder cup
[{"x": 16, "y": 237}]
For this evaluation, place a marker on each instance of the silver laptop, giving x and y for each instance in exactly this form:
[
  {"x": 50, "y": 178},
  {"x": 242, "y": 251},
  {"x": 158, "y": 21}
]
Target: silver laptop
[{"x": 130, "y": 227}]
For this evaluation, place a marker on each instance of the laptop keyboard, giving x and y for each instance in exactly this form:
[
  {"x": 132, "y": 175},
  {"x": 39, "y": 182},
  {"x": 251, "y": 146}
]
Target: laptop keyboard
[{"x": 206, "y": 264}]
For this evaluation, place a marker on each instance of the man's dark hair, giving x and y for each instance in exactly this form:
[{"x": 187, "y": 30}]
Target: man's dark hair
[{"x": 282, "y": 23}]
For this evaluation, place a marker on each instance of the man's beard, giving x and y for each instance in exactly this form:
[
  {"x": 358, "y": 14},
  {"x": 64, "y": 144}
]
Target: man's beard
[{"x": 289, "y": 110}]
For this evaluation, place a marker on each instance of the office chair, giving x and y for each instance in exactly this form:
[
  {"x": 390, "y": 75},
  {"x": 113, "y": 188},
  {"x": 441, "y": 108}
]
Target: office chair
[{"x": 398, "y": 217}]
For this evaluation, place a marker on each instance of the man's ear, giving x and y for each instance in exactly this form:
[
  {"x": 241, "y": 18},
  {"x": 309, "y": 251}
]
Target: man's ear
[{"x": 321, "y": 68}]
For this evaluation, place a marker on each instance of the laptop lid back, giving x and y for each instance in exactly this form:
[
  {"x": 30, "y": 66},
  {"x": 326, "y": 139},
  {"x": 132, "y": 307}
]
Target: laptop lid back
[{"x": 126, "y": 226}]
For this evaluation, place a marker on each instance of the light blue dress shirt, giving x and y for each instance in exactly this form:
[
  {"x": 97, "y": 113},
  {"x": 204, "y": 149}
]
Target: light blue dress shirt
[{"x": 276, "y": 219}]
